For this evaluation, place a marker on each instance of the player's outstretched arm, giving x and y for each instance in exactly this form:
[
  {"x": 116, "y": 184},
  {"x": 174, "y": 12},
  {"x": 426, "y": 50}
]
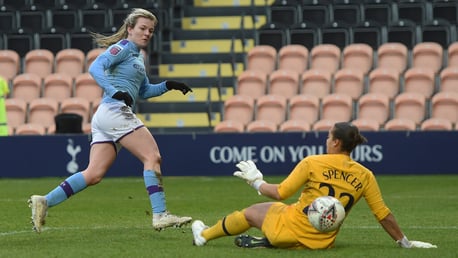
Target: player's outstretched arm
[
  {"x": 392, "y": 228},
  {"x": 251, "y": 174}
]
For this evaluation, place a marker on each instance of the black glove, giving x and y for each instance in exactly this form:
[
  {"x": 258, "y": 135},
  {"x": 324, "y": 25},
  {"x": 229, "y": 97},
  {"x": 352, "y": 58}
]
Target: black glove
[
  {"x": 173, "y": 85},
  {"x": 122, "y": 95}
]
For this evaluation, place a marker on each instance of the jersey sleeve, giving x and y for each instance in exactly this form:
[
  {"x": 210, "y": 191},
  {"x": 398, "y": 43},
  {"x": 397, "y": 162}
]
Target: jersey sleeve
[
  {"x": 115, "y": 54},
  {"x": 148, "y": 90},
  {"x": 295, "y": 180},
  {"x": 374, "y": 199}
]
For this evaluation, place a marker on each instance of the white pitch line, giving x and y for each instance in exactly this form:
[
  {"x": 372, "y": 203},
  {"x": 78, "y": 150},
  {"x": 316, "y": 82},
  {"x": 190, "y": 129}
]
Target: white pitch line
[{"x": 139, "y": 227}]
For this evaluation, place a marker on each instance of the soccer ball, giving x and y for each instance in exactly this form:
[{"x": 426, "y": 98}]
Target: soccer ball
[{"x": 326, "y": 213}]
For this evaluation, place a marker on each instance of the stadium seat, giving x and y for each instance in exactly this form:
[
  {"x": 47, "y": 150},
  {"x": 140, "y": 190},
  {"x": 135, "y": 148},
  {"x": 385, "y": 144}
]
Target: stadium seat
[
  {"x": 229, "y": 126},
  {"x": 445, "y": 106},
  {"x": 295, "y": 126},
  {"x": 452, "y": 53},
  {"x": 449, "y": 79},
  {"x": 30, "y": 129},
  {"x": 374, "y": 106},
  {"x": 304, "y": 107},
  {"x": 316, "y": 82},
  {"x": 413, "y": 10},
  {"x": 58, "y": 86},
  {"x": 368, "y": 32},
  {"x": 91, "y": 56},
  {"x": 16, "y": 111},
  {"x": 80, "y": 106},
  {"x": 336, "y": 33},
  {"x": 436, "y": 124},
  {"x": 358, "y": 57},
  {"x": 305, "y": 34},
  {"x": 86, "y": 87},
  {"x": 27, "y": 86},
  {"x": 263, "y": 58},
  {"x": 271, "y": 107},
  {"x": 366, "y": 124},
  {"x": 257, "y": 126},
  {"x": 392, "y": 55},
  {"x": 284, "y": 82},
  {"x": 439, "y": 31},
  {"x": 400, "y": 124},
  {"x": 316, "y": 12},
  {"x": 346, "y": 11},
  {"x": 252, "y": 83},
  {"x": 428, "y": 55},
  {"x": 70, "y": 61},
  {"x": 39, "y": 62},
  {"x": 87, "y": 128},
  {"x": 52, "y": 40},
  {"x": 271, "y": 34},
  {"x": 239, "y": 108},
  {"x": 293, "y": 57},
  {"x": 323, "y": 125},
  {"x": 42, "y": 111},
  {"x": 402, "y": 31},
  {"x": 337, "y": 107},
  {"x": 20, "y": 42},
  {"x": 284, "y": 12},
  {"x": 350, "y": 82},
  {"x": 384, "y": 81},
  {"x": 325, "y": 57},
  {"x": 419, "y": 80},
  {"x": 410, "y": 105},
  {"x": 445, "y": 9},
  {"x": 10, "y": 63},
  {"x": 380, "y": 11}
]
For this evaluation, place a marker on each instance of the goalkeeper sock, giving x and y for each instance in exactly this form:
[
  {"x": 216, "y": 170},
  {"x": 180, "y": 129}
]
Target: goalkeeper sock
[
  {"x": 69, "y": 187},
  {"x": 233, "y": 224},
  {"x": 155, "y": 191}
]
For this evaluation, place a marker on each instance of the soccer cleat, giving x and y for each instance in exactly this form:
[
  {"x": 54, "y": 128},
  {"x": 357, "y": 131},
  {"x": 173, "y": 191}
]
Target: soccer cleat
[
  {"x": 247, "y": 241},
  {"x": 166, "y": 220},
  {"x": 197, "y": 228},
  {"x": 39, "y": 211}
]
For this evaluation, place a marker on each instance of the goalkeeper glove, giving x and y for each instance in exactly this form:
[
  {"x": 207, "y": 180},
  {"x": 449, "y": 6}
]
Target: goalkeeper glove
[
  {"x": 173, "y": 85},
  {"x": 405, "y": 243},
  {"x": 122, "y": 95},
  {"x": 250, "y": 173}
]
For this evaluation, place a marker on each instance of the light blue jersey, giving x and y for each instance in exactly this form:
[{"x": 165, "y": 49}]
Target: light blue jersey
[{"x": 121, "y": 68}]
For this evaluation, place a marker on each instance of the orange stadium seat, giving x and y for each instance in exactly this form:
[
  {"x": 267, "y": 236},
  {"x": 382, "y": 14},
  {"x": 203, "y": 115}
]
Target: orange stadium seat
[
  {"x": 229, "y": 126},
  {"x": 30, "y": 129},
  {"x": 325, "y": 57},
  {"x": 293, "y": 57},
  {"x": 384, "y": 81},
  {"x": 374, "y": 106},
  {"x": 10, "y": 64},
  {"x": 86, "y": 87},
  {"x": 70, "y": 61},
  {"x": 304, "y": 107},
  {"x": 272, "y": 108},
  {"x": 16, "y": 111},
  {"x": 252, "y": 83},
  {"x": 27, "y": 86},
  {"x": 316, "y": 82},
  {"x": 58, "y": 86},
  {"x": 366, "y": 124},
  {"x": 323, "y": 125},
  {"x": 410, "y": 105},
  {"x": 261, "y": 126},
  {"x": 449, "y": 79},
  {"x": 42, "y": 111},
  {"x": 337, "y": 107},
  {"x": 419, "y": 79},
  {"x": 445, "y": 106},
  {"x": 392, "y": 55},
  {"x": 358, "y": 56},
  {"x": 284, "y": 82},
  {"x": 452, "y": 53},
  {"x": 92, "y": 55},
  {"x": 80, "y": 106},
  {"x": 295, "y": 126},
  {"x": 400, "y": 124},
  {"x": 39, "y": 62},
  {"x": 239, "y": 108},
  {"x": 349, "y": 81},
  {"x": 428, "y": 55},
  {"x": 436, "y": 124},
  {"x": 262, "y": 58}
]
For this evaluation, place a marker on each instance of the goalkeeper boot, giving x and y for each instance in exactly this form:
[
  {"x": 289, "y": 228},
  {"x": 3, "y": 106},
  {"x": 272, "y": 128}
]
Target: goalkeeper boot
[
  {"x": 247, "y": 241},
  {"x": 39, "y": 208},
  {"x": 197, "y": 228},
  {"x": 165, "y": 220}
]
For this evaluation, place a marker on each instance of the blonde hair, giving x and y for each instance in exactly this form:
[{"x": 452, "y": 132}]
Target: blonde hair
[{"x": 129, "y": 22}]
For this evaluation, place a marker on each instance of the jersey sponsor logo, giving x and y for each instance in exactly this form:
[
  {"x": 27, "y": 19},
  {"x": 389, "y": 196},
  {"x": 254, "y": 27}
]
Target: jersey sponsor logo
[{"x": 115, "y": 50}]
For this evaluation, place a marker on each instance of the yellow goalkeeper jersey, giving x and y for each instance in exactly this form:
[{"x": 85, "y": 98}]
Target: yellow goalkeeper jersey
[{"x": 334, "y": 175}]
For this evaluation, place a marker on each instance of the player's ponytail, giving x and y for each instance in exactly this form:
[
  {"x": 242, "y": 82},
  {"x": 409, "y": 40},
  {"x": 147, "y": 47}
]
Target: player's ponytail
[{"x": 349, "y": 135}]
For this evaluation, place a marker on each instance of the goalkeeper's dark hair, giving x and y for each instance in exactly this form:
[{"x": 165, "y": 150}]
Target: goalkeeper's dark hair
[{"x": 349, "y": 135}]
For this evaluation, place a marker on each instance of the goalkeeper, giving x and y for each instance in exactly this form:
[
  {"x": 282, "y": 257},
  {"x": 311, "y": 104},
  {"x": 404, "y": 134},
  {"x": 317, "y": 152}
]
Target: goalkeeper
[{"x": 287, "y": 226}]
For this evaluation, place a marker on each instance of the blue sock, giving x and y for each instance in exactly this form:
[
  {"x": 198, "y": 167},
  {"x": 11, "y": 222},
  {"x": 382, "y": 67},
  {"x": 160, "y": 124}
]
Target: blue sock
[
  {"x": 69, "y": 187},
  {"x": 155, "y": 191}
]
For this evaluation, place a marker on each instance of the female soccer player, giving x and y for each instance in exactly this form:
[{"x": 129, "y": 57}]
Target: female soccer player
[
  {"x": 286, "y": 226},
  {"x": 120, "y": 71}
]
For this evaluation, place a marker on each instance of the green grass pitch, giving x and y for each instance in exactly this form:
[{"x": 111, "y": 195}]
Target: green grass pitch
[{"x": 113, "y": 219}]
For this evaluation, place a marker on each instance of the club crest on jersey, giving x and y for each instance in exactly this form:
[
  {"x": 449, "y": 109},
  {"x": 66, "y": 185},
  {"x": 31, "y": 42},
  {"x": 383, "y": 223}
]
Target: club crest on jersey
[{"x": 115, "y": 50}]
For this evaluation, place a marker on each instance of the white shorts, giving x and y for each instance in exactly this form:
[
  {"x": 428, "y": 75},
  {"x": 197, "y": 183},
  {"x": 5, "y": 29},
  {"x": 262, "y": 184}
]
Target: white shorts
[{"x": 112, "y": 121}]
